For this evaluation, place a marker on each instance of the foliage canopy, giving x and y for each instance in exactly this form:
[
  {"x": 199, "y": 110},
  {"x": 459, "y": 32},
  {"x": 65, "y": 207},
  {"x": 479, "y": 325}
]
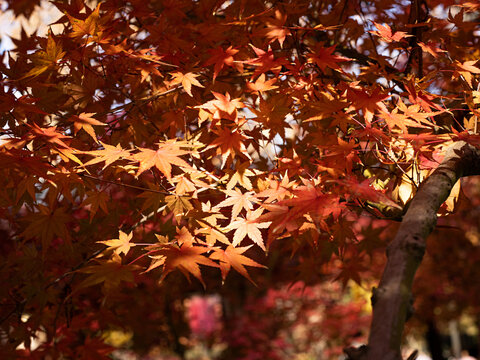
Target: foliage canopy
[{"x": 150, "y": 138}]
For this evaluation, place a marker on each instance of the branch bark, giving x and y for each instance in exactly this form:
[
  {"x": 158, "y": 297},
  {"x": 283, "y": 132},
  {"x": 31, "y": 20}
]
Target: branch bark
[{"x": 392, "y": 301}]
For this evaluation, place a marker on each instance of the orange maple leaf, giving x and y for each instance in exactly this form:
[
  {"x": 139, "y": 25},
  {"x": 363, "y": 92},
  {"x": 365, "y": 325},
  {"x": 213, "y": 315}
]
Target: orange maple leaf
[
  {"x": 312, "y": 200},
  {"x": 260, "y": 85},
  {"x": 385, "y": 32},
  {"x": 466, "y": 70},
  {"x": 431, "y": 48},
  {"x": 186, "y": 259},
  {"x": 394, "y": 119},
  {"x": 276, "y": 29},
  {"x": 50, "y": 135},
  {"x": 232, "y": 257},
  {"x": 85, "y": 121},
  {"x": 187, "y": 80},
  {"x": 241, "y": 176},
  {"x": 167, "y": 154},
  {"x": 276, "y": 190},
  {"x": 110, "y": 154},
  {"x": 229, "y": 142},
  {"x": 225, "y": 103},
  {"x": 184, "y": 236},
  {"x": 223, "y": 107},
  {"x": 209, "y": 227}
]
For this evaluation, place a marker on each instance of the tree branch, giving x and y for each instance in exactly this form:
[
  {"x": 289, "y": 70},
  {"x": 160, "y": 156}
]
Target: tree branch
[{"x": 392, "y": 301}]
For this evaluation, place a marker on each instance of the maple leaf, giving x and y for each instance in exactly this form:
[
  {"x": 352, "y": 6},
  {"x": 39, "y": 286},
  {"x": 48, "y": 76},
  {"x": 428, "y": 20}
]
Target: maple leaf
[
  {"x": 120, "y": 245},
  {"x": 45, "y": 59},
  {"x": 266, "y": 61},
  {"x": 46, "y": 224},
  {"x": 431, "y": 48},
  {"x": 276, "y": 29},
  {"x": 187, "y": 80},
  {"x": 88, "y": 27},
  {"x": 421, "y": 97},
  {"x": 414, "y": 112},
  {"x": 241, "y": 176},
  {"x": 277, "y": 190},
  {"x": 365, "y": 191},
  {"x": 209, "y": 227},
  {"x": 163, "y": 158},
  {"x": 238, "y": 200},
  {"x": 272, "y": 113},
  {"x": 222, "y": 107},
  {"x": 225, "y": 104},
  {"x": 110, "y": 154},
  {"x": 323, "y": 57},
  {"x": 385, "y": 32},
  {"x": 222, "y": 58},
  {"x": 312, "y": 200},
  {"x": 466, "y": 70},
  {"x": 260, "y": 85},
  {"x": 229, "y": 143},
  {"x": 108, "y": 272},
  {"x": 26, "y": 185},
  {"x": 350, "y": 270},
  {"x": 184, "y": 185},
  {"x": 232, "y": 257},
  {"x": 96, "y": 199},
  {"x": 179, "y": 205},
  {"x": 395, "y": 119},
  {"x": 184, "y": 236},
  {"x": 186, "y": 258},
  {"x": 249, "y": 226},
  {"x": 368, "y": 102},
  {"x": 85, "y": 121},
  {"x": 49, "y": 135}
]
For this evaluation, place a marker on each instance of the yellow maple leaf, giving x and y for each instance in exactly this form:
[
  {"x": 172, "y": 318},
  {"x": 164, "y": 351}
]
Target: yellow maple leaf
[
  {"x": 120, "y": 245},
  {"x": 88, "y": 27},
  {"x": 45, "y": 59}
]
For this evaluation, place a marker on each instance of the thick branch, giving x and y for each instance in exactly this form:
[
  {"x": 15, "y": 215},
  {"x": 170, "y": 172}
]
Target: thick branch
[{"x": 393, "y": 298}]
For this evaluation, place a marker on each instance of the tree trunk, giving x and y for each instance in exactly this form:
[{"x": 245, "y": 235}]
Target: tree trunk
[{"x": 392, "y": 300}]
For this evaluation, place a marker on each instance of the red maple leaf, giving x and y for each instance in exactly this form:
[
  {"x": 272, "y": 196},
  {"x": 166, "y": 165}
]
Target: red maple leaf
[
  {"x": 266, "y": 61},
  {"x": 222, "y": 58},
  {"x": 323, "y": 57},
  {"x": 385, "y": 32}
]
